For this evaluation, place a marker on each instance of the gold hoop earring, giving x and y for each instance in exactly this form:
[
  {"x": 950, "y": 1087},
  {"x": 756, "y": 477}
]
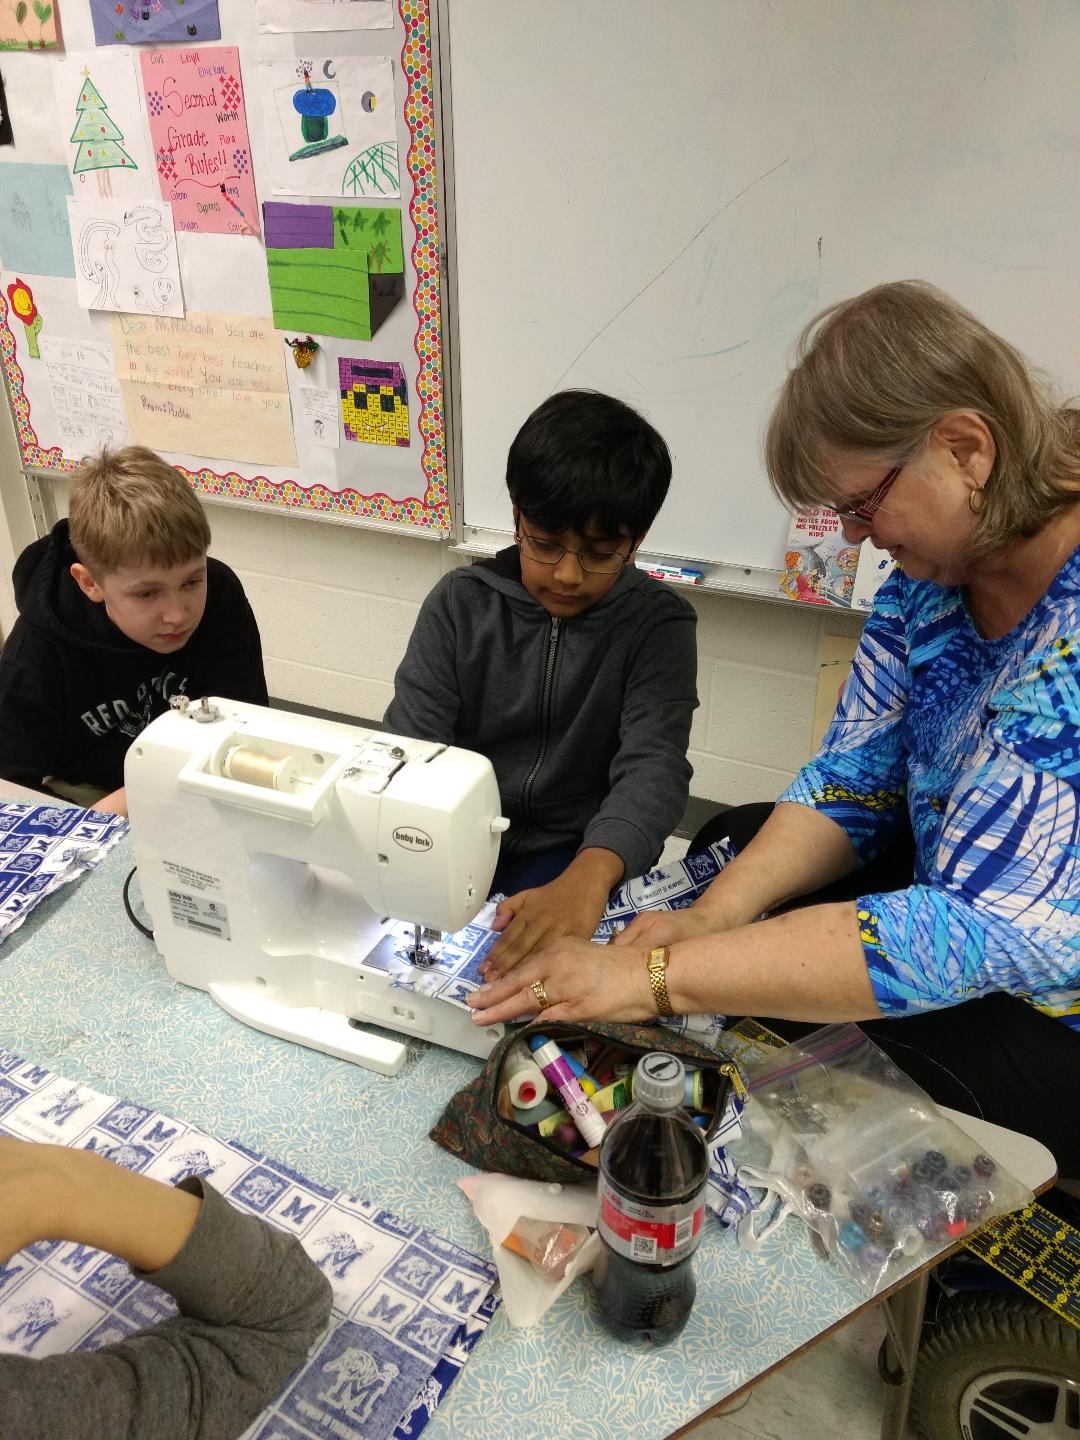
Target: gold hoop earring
[{"x": 976, "y": 501}]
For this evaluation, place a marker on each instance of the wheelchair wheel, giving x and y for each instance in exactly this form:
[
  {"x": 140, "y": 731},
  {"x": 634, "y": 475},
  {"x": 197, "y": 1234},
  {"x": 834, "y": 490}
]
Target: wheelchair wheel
[{"x": 995, "y": 1367}]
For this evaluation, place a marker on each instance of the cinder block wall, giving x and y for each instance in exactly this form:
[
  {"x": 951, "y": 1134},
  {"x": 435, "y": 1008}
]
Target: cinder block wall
[{"x": 336, "y": 606}]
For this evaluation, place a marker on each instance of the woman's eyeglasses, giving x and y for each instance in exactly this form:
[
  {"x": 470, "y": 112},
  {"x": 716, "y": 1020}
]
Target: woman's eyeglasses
[{"x": 864, "y": 510}]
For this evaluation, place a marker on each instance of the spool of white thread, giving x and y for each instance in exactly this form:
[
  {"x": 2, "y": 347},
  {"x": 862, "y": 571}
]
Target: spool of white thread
[
  {"x": 252, "y": 767},
  {"x": 527, "y": 1083}
]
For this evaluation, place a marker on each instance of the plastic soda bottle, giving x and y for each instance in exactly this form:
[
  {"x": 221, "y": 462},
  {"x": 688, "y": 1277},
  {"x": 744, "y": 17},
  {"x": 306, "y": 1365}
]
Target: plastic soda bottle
[{"x": 653, "y": 1168}]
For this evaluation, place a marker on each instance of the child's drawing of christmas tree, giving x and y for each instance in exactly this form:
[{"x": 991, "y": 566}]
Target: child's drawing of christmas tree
[{"x": 98, "y": 138}]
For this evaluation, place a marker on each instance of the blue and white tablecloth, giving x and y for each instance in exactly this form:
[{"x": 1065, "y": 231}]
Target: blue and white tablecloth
[
  {"x": 43, "y": 847},
  {"x": 408, "y": 1304}
]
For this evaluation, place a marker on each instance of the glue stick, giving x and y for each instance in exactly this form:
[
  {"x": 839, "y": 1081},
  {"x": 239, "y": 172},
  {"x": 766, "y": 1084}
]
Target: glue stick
[{"x": 582, "y": 1111}]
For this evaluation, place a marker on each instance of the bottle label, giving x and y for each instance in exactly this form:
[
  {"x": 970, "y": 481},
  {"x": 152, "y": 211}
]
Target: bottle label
[{"x": 650, "y": 1234}]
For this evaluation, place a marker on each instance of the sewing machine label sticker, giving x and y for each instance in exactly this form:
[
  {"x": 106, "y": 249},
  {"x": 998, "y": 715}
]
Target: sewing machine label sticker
[
  {"x": 209, "y": 917},
  {"x": 192, "y": 879}
]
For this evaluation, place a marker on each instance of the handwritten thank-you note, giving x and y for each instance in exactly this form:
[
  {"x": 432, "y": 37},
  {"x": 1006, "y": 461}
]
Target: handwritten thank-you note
[
  {"x": 211, "y": 385},
  {"x": 198, "y": 125}
]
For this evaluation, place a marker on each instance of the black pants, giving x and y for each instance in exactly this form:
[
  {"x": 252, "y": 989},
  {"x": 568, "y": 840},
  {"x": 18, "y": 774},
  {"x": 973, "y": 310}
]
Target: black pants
[{"x": 996, "y": 1057}]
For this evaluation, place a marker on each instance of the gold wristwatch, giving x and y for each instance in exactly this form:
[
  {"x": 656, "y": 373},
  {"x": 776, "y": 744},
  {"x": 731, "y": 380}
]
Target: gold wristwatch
[{"x": 657, "y": 962}]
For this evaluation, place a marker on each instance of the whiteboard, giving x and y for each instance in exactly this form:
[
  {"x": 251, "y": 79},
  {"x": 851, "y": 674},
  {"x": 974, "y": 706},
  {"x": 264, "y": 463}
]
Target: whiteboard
[
  {"x": 653, "y": 199},
  {"x": 396, "y": 484}
]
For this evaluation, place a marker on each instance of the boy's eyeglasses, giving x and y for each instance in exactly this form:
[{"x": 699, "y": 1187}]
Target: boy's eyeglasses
[
  {"x": 550, "y": 552},
  {"x": 865, "y": 510}
]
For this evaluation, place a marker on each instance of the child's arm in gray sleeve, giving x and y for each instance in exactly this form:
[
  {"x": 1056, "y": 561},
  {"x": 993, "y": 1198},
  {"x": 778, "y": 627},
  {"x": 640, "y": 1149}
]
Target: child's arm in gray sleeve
[{"x": 251, "y": 1304}]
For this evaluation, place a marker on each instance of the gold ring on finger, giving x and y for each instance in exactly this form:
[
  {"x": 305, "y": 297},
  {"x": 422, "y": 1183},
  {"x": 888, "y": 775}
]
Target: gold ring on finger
[{"x": 538, "y": 990}]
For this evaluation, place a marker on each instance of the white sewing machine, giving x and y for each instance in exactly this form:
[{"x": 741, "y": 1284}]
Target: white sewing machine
[{"x": 273, "y": 850}]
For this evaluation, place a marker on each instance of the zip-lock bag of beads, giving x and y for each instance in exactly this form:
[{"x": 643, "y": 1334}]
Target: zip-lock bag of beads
[{"x": 841, "y": 1137}]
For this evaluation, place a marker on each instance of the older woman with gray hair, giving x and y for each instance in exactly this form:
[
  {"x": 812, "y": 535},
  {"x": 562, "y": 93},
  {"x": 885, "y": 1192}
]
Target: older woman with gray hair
[{"x": 930, "y": 435}]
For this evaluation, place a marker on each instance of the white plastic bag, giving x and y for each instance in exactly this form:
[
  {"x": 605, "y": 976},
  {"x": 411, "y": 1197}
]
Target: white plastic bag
[{"x": 499, "y": 1201}]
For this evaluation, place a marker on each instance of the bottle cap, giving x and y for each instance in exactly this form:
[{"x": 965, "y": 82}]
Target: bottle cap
[{"x": 659, "y": 1081}]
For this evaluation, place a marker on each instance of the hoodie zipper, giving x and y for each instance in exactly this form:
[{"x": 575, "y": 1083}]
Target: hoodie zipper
[{"x": 545, "y": 714}]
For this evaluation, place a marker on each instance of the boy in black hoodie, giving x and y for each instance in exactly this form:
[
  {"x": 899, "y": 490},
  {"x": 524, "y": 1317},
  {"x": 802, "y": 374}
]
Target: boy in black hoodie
[
  {"x": 568, "y": 667},
  {"x": 119, "y": 609}
]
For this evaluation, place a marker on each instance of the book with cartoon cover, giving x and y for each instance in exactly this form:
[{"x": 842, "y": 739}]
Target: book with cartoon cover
[{"x": 822, "y": 568}]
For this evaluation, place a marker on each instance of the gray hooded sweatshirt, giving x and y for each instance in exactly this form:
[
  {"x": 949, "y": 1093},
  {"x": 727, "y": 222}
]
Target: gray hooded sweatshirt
[{"x": 585, "y": 720}]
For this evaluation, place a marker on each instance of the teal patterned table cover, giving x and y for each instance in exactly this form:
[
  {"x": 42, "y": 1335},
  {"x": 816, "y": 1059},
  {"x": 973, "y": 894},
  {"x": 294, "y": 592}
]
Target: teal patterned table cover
[{"x": 82, "y": 992}]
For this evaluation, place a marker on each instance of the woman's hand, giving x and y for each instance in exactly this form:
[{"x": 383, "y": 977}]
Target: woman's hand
[
  {"x": 582, "y": 981},
  {"x": 666, "y": 927}
]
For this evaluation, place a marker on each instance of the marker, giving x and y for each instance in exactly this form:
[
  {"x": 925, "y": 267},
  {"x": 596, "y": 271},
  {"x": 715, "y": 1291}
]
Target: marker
[
  {"x": 583, "y": 1112},
  {"x": 675, "y": 572},
  {"x": 581, "y": 1075},
  {"x": 248, "y": 227}
]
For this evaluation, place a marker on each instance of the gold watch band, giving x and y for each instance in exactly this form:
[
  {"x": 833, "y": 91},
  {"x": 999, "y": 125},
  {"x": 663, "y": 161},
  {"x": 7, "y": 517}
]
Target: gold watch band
[{"x": 657, "y": 962}]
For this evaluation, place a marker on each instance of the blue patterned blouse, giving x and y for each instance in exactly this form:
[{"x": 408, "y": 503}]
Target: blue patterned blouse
[{"x": 981, "y": 739}]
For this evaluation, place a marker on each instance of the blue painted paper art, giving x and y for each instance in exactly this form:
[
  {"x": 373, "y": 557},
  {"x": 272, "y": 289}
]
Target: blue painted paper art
[
  {"x": 131, "y": 22},
  {"x": 34, "y": 233}
]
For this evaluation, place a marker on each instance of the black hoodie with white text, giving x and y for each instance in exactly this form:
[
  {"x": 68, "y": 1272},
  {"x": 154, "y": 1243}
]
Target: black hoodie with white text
[{"x": 75, "y": 691}]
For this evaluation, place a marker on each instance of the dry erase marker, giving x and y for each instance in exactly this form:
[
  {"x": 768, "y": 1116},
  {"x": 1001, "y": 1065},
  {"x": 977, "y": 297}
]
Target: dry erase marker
[
  {"x": 675, "y": 572},
  {"x": 582, "y": 1111}
]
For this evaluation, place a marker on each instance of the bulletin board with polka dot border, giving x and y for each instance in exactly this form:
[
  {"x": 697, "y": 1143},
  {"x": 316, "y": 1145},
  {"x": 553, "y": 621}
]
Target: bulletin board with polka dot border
[{"x": 430, "y": 512}]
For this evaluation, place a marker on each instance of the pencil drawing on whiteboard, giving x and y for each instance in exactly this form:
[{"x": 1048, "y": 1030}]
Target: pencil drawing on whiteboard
[{"x": 125, "y": 257}]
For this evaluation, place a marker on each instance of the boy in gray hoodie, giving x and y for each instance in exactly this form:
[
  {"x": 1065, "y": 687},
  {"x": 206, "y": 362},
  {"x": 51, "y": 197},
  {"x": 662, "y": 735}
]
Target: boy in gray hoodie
[{"x": 568, "y": 667}]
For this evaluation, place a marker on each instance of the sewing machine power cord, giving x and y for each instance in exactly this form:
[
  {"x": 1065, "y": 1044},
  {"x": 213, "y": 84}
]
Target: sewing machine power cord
[{"x": 127, "y": 906}]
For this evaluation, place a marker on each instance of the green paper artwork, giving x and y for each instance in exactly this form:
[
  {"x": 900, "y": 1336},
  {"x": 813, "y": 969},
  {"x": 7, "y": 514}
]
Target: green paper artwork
[{"x": 333, "y": 270}]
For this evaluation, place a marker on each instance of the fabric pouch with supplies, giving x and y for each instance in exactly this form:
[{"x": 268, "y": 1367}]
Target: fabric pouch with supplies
[{"x": 480, "y": 1124}]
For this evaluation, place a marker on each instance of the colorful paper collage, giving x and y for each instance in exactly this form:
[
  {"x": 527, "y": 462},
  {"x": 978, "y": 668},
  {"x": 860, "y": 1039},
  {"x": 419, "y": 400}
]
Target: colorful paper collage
[
  {"x": 206, "y": 385},
  {"x": 29, "y": 25},
  {"x": 99, "y": 96},
  {"x": 333, "y": 271},
  {"x": 278, "y": 16},
  {"x": 34, "y": 233},
  {"x": 199, "y": 131},
  {"x": 374, "y": 401},
  {"x": 134, "y": 22},
  {"x": 408, "y": 1305},
  {"x": 332, "y": 126},
  {"x": 415, "y": 492},
  {"x": 125, "y": 256}
]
